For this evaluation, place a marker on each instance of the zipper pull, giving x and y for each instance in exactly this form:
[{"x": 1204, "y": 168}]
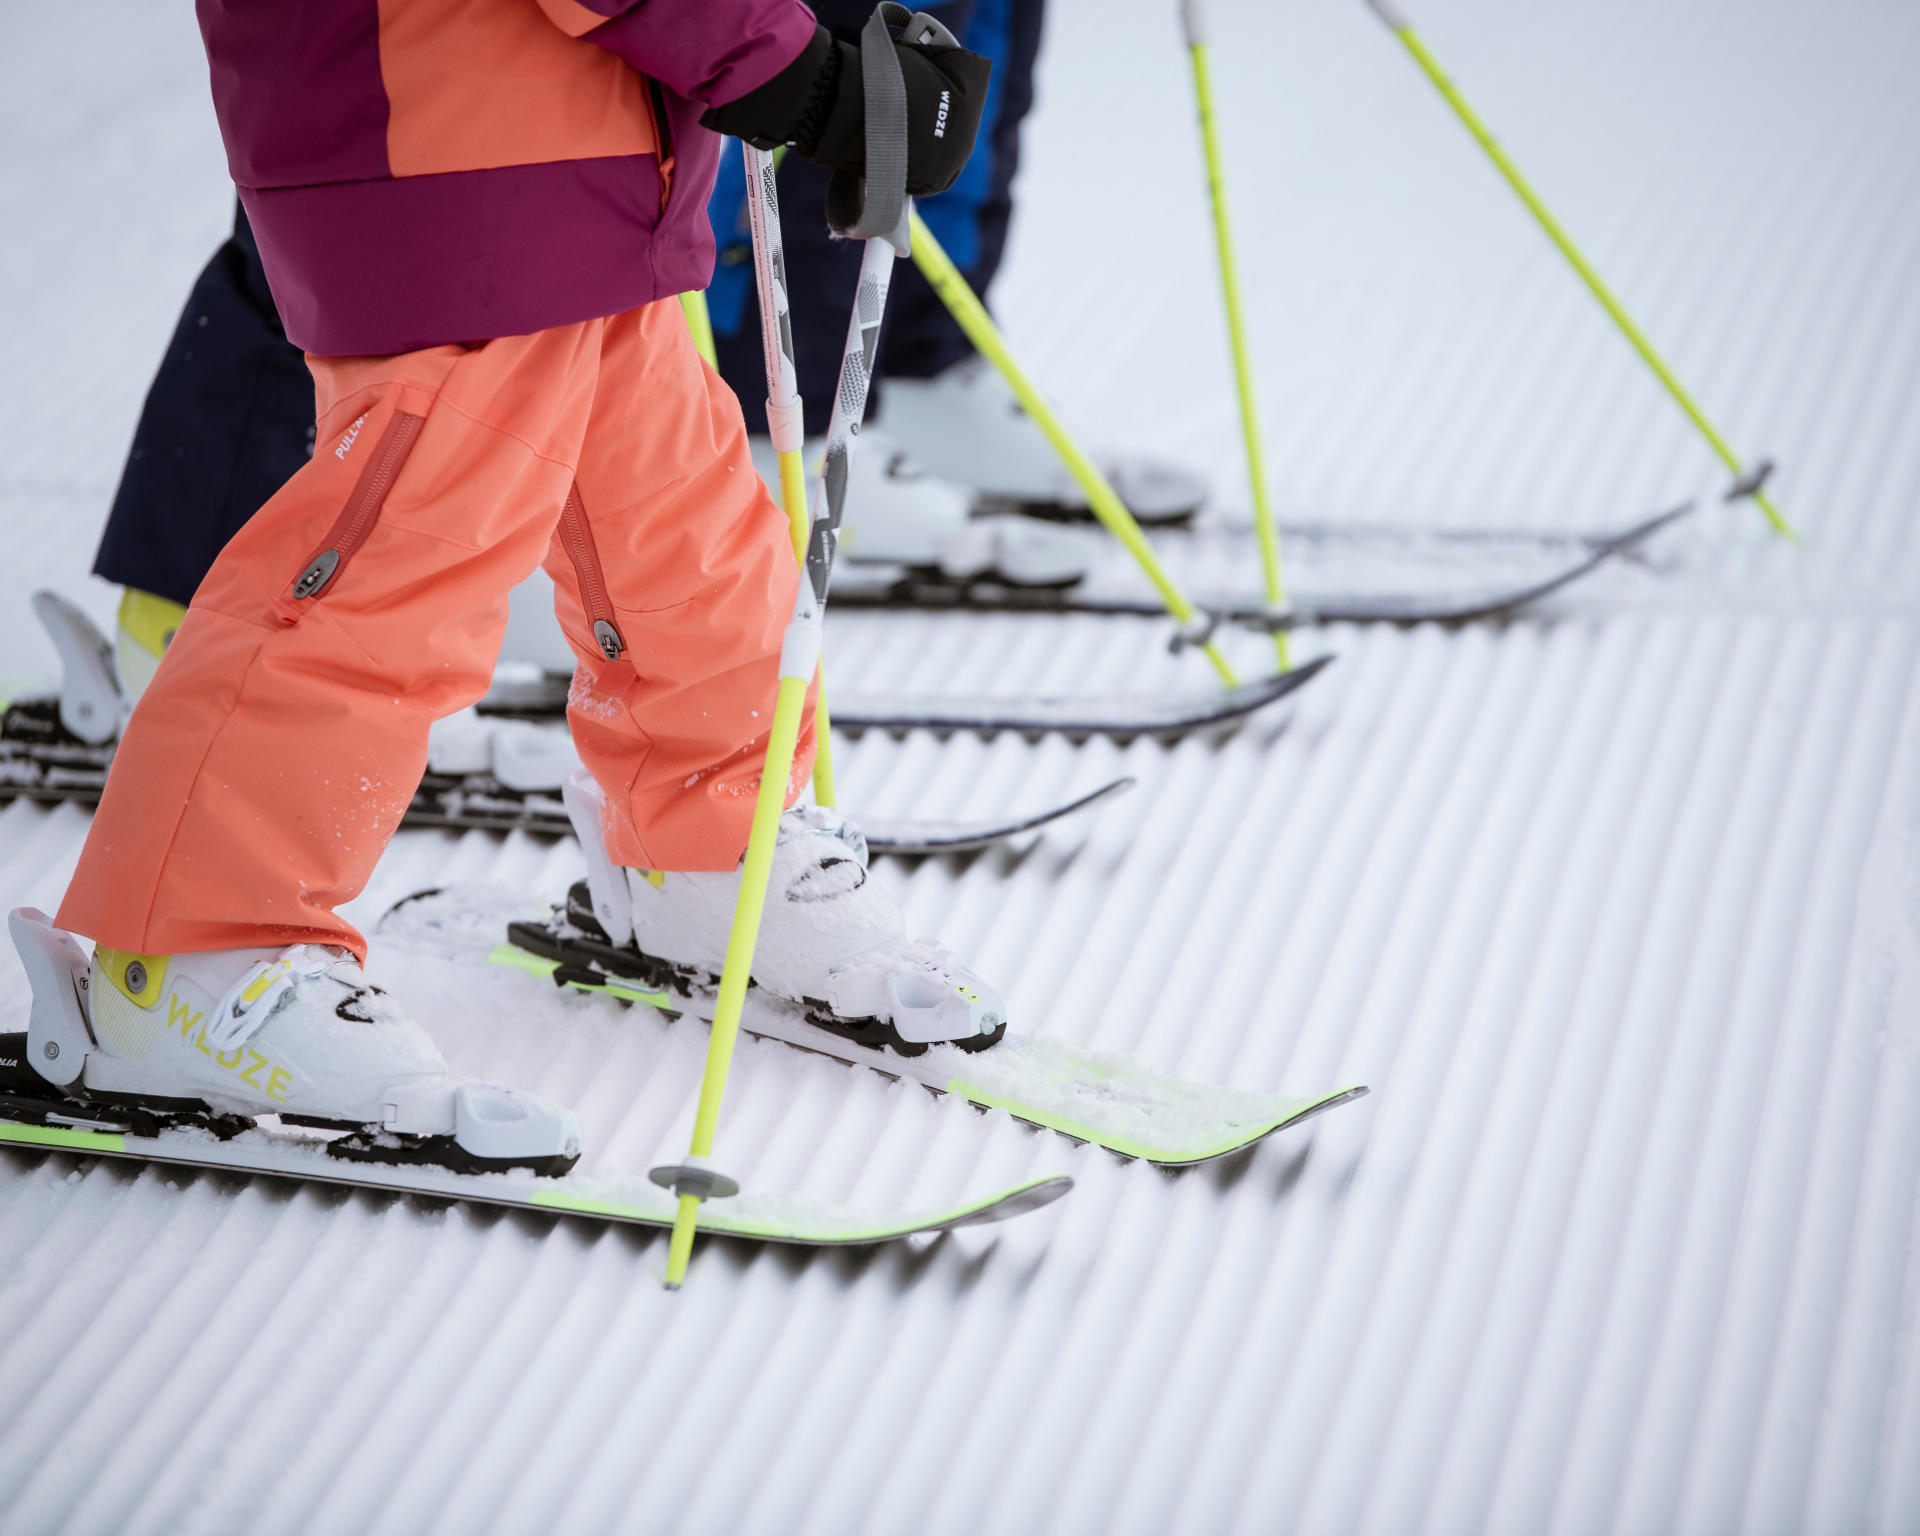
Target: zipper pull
[
  {"x": 317, "y": 575},
  {"x": 611, "y": 645}
]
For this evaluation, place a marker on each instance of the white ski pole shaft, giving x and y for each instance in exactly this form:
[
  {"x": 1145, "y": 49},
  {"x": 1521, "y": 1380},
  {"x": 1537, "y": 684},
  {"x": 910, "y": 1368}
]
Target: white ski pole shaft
[{"x": 786, "y": 417}]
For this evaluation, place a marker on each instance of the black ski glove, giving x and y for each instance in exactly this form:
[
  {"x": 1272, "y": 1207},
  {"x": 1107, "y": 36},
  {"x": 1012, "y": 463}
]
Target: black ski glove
[{"x": 817, "y": 104}]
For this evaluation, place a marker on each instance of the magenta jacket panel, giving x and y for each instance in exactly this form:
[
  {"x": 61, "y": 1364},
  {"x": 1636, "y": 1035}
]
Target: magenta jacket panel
[{"x": 427, "y": 171}]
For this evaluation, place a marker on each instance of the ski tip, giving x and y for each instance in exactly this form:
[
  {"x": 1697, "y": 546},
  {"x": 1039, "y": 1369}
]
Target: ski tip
[
  {"x": 1017, "y": 1202},
  {"x": 1332, "y": 1100},
  {"x": 1042, "y": 1192},
  {"x": 1095, "y": 797},
  {"x": 1248, "y": 697},
  {"x": 411, "y": 898}
]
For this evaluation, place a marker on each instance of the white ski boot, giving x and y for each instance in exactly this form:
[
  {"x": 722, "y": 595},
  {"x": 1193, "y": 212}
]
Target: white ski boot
[
  {"x": 518, "y": 755},
  {"x": 965, "y": 426},
  {"x": 831, "y": 939},
  {"x": 146, "y": 627},
  {"x": 217, "y": 1039},
  {"x": 896, "y": 514}
]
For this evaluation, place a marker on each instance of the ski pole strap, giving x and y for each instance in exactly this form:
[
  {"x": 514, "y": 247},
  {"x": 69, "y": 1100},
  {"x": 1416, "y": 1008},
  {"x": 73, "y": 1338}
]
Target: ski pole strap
[
  {"x": 874, "y": 205},
  {"x": 857, "y": 362}
]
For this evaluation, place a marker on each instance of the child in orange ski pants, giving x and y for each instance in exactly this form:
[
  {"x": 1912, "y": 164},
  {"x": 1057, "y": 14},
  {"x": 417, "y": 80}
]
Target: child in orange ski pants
[{"x": 269, "y": 763}]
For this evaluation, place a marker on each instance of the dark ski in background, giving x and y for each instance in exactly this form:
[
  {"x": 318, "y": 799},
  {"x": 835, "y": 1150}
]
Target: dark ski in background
[
  {"x": 542, "y": 696},
  {"x": 58, "y": 747},
  {"x": 1447, "y": 575}
]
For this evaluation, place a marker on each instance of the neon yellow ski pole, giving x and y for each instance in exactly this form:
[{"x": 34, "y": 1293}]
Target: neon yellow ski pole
[
  {"x": 788, "y": 710},
  {"x": 785, "y": 416},
  {"x": 1403, "y": 29},
  {"x": 965, "y": 307},
  {"x": 693, "y": 304},
  {"x": 1193, "y": 20}
]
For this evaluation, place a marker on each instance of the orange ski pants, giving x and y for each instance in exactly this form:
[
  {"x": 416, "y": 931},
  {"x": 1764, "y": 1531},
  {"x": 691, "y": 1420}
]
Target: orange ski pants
[{"x": 271, "y": 759}]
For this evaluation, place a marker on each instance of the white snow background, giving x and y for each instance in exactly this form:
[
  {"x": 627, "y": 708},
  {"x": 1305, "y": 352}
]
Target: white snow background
[{"x": 1617, "y": 908}]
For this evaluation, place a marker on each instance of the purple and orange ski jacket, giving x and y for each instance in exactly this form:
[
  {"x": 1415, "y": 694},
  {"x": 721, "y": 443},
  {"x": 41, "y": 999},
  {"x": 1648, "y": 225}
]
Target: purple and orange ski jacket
[{"x": 420, "y": 172}]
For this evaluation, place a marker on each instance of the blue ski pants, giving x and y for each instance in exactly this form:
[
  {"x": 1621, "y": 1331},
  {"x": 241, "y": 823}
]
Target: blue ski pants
[{"x": 970, "y": 220}]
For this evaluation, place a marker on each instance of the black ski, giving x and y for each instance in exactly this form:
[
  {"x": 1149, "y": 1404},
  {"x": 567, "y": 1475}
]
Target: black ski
[
  {"x": 1169, "y": 715},
  {"x": 1164, "y": 715},
  {"x": 479, "y": 802},
  {"x": 1114, "y": 589},
  {"x": 906, "y": 838},
  {"x": 482, "y": 801}
]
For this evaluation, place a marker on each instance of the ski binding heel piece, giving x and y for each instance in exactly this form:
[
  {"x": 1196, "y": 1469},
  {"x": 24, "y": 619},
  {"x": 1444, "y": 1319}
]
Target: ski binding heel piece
[
  {"x": 59, "y": 1029},
  {"x": 471, "y": 1127},
  {"x": 925, "y": 1013},
  {"x": 921, "y": 995},
  {"x": 499, "y": 1125},
  {"x": 89, "y": 683}
]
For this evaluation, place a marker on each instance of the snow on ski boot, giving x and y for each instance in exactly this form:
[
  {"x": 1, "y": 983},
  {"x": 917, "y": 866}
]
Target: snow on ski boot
[
  {"x": 896, "y": 514},
  {"x": 215, "y": 1039},
  {"x": 965, "y": 425},
  {"x": 831, "y": 939}
]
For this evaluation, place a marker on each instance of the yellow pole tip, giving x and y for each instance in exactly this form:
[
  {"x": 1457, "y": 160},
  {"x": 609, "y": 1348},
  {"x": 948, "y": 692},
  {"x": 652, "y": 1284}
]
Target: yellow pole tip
[
  {"x": 1212, "y": 652},
  {"x": 1781, "y": 526}
]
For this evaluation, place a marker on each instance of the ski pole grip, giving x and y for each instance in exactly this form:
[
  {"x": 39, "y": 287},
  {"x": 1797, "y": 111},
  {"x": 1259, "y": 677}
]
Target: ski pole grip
[
  {"x": 1390, "y": 13},
  {"x": 1193, "y": 21},
  {"x": 873, "y": 206}
]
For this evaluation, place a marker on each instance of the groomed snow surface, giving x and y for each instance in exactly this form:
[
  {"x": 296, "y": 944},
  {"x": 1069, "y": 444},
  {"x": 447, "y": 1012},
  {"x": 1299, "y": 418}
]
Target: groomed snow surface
[{"x": 1617, "y": 908}]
